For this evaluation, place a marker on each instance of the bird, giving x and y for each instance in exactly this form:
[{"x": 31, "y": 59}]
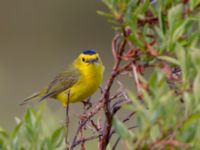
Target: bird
[{"x": 79, "y": 81}]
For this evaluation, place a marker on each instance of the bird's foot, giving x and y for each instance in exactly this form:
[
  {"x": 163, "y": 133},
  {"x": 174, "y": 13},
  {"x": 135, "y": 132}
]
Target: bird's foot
[{"x": 87, "y": 104}]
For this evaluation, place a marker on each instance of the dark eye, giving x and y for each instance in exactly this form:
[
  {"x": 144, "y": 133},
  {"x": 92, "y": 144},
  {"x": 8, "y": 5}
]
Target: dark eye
[
  {"x": 97, "y": 59},
  {"x": 83, "y": 59}
]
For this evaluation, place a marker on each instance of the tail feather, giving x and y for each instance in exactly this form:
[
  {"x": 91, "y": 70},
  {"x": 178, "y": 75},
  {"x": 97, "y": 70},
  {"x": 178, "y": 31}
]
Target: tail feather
[{"x": 29, "y": 98}]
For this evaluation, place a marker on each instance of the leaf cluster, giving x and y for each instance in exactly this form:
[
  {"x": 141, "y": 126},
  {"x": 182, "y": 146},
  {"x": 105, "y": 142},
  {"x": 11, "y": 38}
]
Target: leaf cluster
[
  {"x": 32, "y": 133},
  {"x": 166, "y": 34}
]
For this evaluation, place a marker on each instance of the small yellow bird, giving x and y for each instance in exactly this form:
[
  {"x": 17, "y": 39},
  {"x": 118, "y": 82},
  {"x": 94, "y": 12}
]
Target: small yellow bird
[{"x": 78, "y": 82}]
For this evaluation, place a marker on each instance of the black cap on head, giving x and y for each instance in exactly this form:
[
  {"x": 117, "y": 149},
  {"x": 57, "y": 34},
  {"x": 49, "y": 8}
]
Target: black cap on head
[{"x": 89, "y": 52}]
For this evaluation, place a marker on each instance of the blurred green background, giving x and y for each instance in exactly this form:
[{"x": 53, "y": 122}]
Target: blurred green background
[{"x": 38, "y": 38}]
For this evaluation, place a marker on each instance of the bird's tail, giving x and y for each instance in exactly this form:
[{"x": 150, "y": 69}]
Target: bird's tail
[{"x": 30, "y": 98}]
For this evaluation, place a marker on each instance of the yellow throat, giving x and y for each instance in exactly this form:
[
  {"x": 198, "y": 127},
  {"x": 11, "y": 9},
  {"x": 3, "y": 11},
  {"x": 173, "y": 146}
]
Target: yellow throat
[{"x": 91, "y": 72}]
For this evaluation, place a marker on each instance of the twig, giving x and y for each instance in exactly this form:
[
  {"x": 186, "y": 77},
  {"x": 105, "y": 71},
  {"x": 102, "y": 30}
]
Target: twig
[
  {"x": 82, "y": 141},
  {"x": 125, "y": 120},
  {"x": 95, "y": 125},
  {"x": 86, "y": 139},
  {"x": 129, "y": 117},
  {"x": 87, "y": 117},
  {"x": 114, "y": 41},
  {"x": 124, "y": 68},
  {"x": 94, "y": 137},
  {"x": 105, "y": 99},
  {"x": 108, "y": 122},
  {"x": 173, "y": 143},
  {"x": 136, "y": 77},
  {"x": 67, "y": 121},
  {"x": 115, "y": 145}
]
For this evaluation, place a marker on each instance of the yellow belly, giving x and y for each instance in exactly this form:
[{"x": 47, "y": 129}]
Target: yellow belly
[{"x": 88, "y": 83}]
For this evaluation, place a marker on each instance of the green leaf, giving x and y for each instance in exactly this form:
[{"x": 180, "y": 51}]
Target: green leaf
[
  {"x": 192, "y": 118},
  {"x": 30, "y": 118},
  {"x": 142, "y": 8},
  {"x": 108, "y": 147},
  {"x": 121, "y": 129},
  {"x": 160, "y": 33},
  {"x": 194, "y": 3},
  {"x": 110, "y": 4},
  {"x": 4, "y": 133},
  {"x": 133, "y": 37},
  {"x": 195, "y": 54},
  {"x": 196, "y": 87},
  {"x": 47, "y": 144},
  {"x": 174, "y": 16},
  {"x": 104, "y": 14},
  {"x": 169, "y": 59},
  {"x": 2, "y": 144},
  {"x": 145, "y": 6},
  {"x": 155, "y": 132},
  {"x": 179, "y": 30},
  {"x": 181, "y": 55},
  {"x": 193, "y": 40},
  {"x": 15, "y": 131},
  {"x": 162, "y": 21},
  {"x": 15, "y": 137},
  {"x": 190, "y": 128},
  {"x": 57, "y": 137}
]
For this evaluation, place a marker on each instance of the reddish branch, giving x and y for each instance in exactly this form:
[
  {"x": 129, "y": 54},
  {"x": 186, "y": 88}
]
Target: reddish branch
[
  {"x": 108, "y": 122},
  {"x": 105, "y": 99},
  {"x": 122, "y": 50},
  {"x": 170, "y": 141}
]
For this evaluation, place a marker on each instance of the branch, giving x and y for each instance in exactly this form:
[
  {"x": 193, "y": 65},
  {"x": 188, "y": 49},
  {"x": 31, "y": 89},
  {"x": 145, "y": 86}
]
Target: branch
[
  {"x": 89, "y": 115},
  {"x": 86, "y": 139},
  {"x": 105, "y": 99},
  {"x": 108, "y": 122}
]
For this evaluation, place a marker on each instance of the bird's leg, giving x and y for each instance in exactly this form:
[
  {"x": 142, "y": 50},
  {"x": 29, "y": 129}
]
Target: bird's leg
[
  {"x": 67, "y": 121},
  {"x": 87, "y": 104}
]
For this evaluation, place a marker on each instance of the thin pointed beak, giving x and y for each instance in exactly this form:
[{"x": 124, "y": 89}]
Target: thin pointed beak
[{"x": 92, "y": 61}]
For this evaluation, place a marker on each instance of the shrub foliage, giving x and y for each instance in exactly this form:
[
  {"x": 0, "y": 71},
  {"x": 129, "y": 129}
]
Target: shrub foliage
[{"x": 157, "y": 46}]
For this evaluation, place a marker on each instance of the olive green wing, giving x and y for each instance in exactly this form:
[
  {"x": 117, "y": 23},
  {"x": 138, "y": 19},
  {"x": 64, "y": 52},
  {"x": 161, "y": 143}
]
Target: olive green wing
[{"x": 61, "y": 82}]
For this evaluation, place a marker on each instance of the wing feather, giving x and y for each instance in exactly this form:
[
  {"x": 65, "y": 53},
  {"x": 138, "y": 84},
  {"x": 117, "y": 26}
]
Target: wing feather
[{"x": 61, "y": 82}]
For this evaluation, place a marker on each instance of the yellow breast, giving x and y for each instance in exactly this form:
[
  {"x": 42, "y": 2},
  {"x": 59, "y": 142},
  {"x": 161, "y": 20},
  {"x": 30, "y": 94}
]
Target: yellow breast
[{"x": 90, "y": 79}]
